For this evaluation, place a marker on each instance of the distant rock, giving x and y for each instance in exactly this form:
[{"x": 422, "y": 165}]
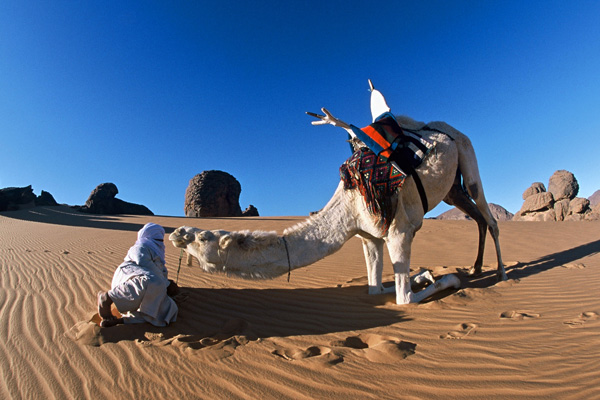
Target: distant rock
[
  {"x": 594, "y": 198},
  {"x": 536, "y": 187},
  {"x": 563, "y": 185},
  {"x": 251, "y": 211},
  {"x": 17, "y": 198},
  {"x": 102, "y": 200},
  {"x": 561, "y": 209},
  {"x": 45, "y": 199},
  {"x": 559, "y": 203},
  {"x": 499, "y": 213},
  {"x": 537, "y": 202},
  {"x": 215, "y": 194},
  {"x": 579, "y": 206}
]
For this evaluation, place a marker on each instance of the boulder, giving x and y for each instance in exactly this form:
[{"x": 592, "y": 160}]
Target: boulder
[
  {"x": 102, "y": 200},
  {"x": 536, "y": 187},
  {"x": 561, "y": 209},
  {"x": 537, "y": 202},
  {"x": 579, "y": 206},
  {"x": 563, "y": 185},
  {"x": 214, "y": 194},
  {"x": 559, "y": 203}
]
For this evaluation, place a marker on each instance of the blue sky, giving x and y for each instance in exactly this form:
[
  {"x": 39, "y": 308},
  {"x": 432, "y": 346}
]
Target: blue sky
[{"x": 148, "y": 94}]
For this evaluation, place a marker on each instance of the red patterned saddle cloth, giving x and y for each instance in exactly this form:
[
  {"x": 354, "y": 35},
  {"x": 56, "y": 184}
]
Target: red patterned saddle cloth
[{"x": 376, "y": 179}]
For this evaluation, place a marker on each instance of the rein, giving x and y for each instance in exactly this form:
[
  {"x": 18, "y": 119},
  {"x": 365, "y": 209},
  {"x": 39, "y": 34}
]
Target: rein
[
  {"x": 179, "y": 268},
  {"x": 287, "y": 252}
]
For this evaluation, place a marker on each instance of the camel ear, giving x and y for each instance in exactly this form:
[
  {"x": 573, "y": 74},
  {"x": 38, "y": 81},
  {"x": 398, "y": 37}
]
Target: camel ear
[{"x": 225, "y": 241}]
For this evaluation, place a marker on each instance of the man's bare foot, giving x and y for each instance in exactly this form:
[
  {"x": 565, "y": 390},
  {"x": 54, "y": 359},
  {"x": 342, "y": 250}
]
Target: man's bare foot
[{"x": 104, "y": 303}]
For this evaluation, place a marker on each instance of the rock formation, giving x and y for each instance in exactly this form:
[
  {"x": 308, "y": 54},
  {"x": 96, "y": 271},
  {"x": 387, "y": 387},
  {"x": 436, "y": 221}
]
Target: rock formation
[
  {"x": 499, "y": 212},
  {"x": 215, "y": 194},
  {"x": 17, "y": 198},
  {"x": 594, "y": 199},
  {"x": 559, "y": 203},
  {"x": 102, "y": 200}
]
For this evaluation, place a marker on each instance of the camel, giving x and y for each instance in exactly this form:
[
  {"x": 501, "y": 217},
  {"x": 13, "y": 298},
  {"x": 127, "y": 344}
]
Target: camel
[{"x": 449, "y": 173}]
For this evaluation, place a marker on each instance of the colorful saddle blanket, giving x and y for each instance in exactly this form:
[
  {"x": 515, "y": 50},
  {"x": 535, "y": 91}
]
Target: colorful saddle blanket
[{"x": 376, "y": 179}]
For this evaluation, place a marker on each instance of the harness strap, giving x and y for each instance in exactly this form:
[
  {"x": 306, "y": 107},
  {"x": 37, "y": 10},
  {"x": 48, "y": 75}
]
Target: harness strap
[
  {"x": 421, "y": 190},
  {"x": 412, "y": 172}
]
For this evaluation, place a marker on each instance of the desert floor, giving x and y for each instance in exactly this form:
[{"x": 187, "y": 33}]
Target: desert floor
[{"x": 320, "y": 336}]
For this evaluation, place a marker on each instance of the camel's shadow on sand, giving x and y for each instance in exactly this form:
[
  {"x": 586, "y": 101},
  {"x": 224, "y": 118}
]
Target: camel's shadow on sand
[
  {"x": 217, "y": 313},
  {"x": 525, "y": 269},
  {"x": 264, "y": 313}
]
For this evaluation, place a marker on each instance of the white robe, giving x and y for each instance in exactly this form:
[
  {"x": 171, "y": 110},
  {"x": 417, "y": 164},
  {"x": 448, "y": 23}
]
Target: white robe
[{"x": 139, "y": 289}]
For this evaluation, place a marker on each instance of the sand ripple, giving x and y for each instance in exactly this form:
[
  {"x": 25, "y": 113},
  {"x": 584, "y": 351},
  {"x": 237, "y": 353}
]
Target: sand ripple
[{"x": 319, "y": 336}]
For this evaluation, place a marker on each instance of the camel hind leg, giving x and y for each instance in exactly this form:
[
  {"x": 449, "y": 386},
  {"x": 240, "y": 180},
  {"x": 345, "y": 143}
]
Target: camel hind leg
[
  {"x": 458, "y": 197},
  {"x": 472, "y": 192}
]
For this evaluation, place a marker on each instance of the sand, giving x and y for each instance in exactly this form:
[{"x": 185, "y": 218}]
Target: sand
[{"x": 320, "y": 336}]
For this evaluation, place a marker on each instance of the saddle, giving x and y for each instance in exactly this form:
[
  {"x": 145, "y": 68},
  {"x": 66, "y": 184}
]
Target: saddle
[{"x": 378, "y": 170}]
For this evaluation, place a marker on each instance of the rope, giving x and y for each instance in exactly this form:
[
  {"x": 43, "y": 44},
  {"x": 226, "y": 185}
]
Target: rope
[
  {"x": 287, "y": 252},
  {"x": 179, "y": 268}
]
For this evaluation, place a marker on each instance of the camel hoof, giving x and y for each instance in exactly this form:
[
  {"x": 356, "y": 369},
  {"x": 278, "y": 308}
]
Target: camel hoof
[{"x": 475, "y": 271}]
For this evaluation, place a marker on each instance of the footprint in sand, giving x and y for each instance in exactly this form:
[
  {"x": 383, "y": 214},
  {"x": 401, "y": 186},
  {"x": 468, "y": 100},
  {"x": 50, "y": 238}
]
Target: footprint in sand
[
  {"x": 582, "y": 319},
  {"x": 318, "y": 353},
  {"x": 233, "y": 333},
  {"x": 461, "y": 331},
  {"x": 519, "y": 315},
  {"x": 377, "y": 348}
]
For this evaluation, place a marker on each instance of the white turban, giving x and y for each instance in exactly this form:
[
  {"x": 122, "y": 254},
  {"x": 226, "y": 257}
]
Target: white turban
[{"x": 152, "y": 236}]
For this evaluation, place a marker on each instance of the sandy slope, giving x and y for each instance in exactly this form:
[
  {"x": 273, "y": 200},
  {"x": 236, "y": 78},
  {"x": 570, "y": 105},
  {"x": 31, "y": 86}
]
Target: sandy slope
[{"x": 319, "y": 336}]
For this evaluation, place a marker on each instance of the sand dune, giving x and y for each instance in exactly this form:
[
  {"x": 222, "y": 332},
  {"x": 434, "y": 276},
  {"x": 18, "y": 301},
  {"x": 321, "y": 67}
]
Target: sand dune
[{"x": 318, "y": 336}]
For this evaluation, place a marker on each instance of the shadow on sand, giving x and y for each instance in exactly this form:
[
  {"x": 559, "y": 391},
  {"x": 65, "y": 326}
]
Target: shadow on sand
[
  {"x": 264, "y": 313},
  {"x": 523, "y": 270},
  {"x": 64, "y": 215}
]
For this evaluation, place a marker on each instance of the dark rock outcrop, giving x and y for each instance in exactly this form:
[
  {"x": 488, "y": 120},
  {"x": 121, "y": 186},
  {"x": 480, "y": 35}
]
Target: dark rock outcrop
[
  {"x": 499, "y": 213},
  {"x": 215, "y": 194},
  {"x": 45, "y": 199},
  {"x": 17, "y": 198},
  {"x": 102, "y": 200},
  {"x": 251, "y": 211}
]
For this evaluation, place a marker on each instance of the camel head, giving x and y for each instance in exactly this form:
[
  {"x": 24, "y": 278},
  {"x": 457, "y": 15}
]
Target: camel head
[
  {"x": 183, "y": 236},
  {"x": 223, "y": 251}
]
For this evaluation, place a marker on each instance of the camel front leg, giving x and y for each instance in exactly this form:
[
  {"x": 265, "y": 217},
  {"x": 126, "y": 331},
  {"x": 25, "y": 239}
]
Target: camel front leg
[
  {"x": 373, "y": 249},
  {"x": 399, "y": 247}
]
